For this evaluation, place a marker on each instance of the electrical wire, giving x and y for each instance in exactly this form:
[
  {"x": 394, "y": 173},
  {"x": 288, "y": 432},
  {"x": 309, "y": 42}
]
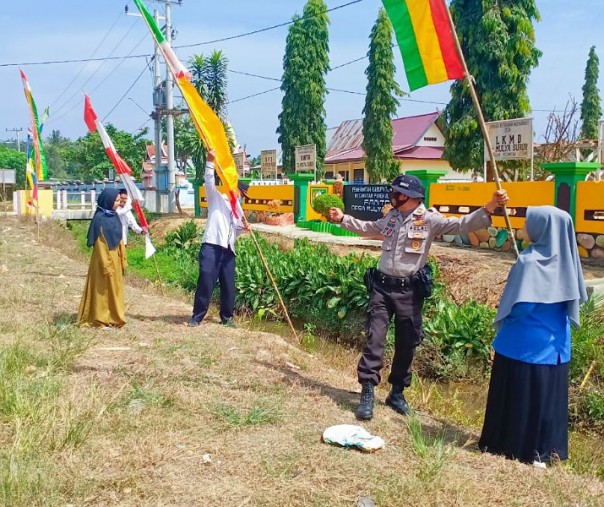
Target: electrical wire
[
  {"x": 95, "y": 72},
  {"x": 273, "y": 27},
  {"x": 232, "y": 37},
  {"x": 53, "y": 103},
  {"x": 126, "y": 93},
  {"x": 110, "y": 74}
]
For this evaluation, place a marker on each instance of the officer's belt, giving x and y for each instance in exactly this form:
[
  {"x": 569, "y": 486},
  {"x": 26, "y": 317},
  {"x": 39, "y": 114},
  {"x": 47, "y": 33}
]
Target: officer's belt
[{"x": 393, "y": 282}]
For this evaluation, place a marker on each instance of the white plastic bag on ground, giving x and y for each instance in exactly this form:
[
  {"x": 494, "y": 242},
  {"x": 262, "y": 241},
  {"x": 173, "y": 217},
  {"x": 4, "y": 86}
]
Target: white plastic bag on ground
[{"x": 350, "y": 435}]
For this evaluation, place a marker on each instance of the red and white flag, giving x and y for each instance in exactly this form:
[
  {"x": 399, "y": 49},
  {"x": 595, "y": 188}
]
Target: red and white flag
[{"x": 121, "y": 167}]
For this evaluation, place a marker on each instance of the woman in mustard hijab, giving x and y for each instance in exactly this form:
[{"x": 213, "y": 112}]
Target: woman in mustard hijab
[{"x": 102, "y": 303}]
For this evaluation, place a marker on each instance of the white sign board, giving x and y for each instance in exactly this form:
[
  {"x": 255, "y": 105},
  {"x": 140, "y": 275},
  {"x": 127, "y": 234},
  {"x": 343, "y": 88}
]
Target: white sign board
[
  {"x": 239, "y": 159},
  {"x": 306, "y": 158},
  {"x": 510, "y": 139},
  {"x": 268, "y": 163},
  {"x": 7, "y": 177}
]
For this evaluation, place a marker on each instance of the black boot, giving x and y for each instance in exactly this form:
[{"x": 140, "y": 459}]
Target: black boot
[
  {"x": 365, "y": 410},
  {"x": 396, "y": 401}
]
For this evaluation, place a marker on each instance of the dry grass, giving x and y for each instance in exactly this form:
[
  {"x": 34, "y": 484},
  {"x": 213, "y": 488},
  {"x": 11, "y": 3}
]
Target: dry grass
[{"x": 157, "y": 413}]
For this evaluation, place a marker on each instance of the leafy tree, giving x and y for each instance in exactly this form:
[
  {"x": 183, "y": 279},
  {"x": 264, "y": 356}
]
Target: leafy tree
[
  {"x": 58, "y": 149},
  {"x": 305, "y": 64},
  {"x": 89, "y": 154},
  {"x": 498, "y": 41},
  {"x": 13, "y": 159},
  {"x": 380, "y": 103},
  {"x": 591, "y": 109}
]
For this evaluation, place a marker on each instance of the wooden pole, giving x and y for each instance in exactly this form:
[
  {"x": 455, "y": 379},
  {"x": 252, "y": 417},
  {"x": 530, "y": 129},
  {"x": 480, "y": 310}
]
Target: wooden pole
[
  {"x": 483, "y": 127},
  {"x": 270, "y": 275},
  {"x": 587, "y": 375},
  {"x": 161, "y": 284}
]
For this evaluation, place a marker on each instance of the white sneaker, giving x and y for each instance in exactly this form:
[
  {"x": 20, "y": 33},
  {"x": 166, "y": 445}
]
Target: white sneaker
[{"x": 539, "y": 464}]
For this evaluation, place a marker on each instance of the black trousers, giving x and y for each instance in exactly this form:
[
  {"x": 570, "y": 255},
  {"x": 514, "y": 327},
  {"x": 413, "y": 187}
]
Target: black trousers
[
  {"x": 215, "y": 264},
  {"x": 406, "y": 307}
]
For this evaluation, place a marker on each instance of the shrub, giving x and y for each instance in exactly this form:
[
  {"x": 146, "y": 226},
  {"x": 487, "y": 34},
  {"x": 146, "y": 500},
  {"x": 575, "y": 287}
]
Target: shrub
[
  {"x": 325, "y": 201},
  {"x": 184, "y": 237}
]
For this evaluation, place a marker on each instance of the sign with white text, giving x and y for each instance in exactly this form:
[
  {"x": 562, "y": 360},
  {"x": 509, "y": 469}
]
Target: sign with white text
[
  {"x": 306, "y": 158},
  {"x": 510, "y": 139},
  {"x": 239, "y": 159},
  {"x": 268, "y": 163}
]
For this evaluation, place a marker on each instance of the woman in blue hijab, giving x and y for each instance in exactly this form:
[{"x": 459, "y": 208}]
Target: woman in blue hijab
[
  {"x": 102, "y": 303},
  {"x": 527, "y": 406}
]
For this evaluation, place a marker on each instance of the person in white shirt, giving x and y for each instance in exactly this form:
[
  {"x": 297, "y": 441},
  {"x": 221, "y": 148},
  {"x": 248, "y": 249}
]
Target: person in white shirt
[
  {"x": 124, "y": 212},
  {"x": 217, "y": 252}
]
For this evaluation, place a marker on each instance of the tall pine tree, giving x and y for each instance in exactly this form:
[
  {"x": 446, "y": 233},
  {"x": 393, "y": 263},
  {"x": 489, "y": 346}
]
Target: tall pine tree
[
  {"x": 498, "y": 42},
  {"x": 305, "y": 64},
  {"x": 380, "y": 103},
  {"x": 591, "y": 109}
]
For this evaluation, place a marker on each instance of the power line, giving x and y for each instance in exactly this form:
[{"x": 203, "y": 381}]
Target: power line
[
  {"x": 238, "y": 36},
  {"x": 273, "y": 27},
  {"x": 86, "y": 64},
  {"x": 126, "y": 92},
  {"x": 94, "y": 73},
  {"x": 254, "y": 95},
  {"x": 77, "y": 103}
]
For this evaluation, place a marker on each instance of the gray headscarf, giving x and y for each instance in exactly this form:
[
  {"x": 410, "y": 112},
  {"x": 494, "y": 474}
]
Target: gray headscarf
[{"x": 549, "y": 269}]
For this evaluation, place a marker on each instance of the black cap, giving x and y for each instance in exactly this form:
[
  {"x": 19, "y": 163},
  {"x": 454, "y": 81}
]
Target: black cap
[
  {"x": 242, "y": 187},
  {"x": 408, "y": 185}
]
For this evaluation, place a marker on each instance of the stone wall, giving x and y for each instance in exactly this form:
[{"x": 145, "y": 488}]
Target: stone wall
[{"x": 591, "y": 246}]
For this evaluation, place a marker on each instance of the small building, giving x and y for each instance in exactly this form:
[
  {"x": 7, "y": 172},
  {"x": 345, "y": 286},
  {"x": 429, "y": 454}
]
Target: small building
[
  {"x": 417, "y": 143},
  {"x": 148, "y": 174}
]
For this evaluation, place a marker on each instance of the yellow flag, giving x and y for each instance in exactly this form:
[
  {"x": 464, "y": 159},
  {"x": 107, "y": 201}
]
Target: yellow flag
[{"x": 212, "y": 133}]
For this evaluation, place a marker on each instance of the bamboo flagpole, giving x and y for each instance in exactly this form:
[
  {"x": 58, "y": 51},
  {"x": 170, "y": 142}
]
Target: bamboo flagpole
[{"x": 483, "y": 127}]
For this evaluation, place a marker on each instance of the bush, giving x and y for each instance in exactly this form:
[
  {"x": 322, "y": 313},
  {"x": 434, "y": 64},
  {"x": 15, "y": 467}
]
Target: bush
[
  {"x": 184, "y": 237},
  {"x": 325, "y": 201}
]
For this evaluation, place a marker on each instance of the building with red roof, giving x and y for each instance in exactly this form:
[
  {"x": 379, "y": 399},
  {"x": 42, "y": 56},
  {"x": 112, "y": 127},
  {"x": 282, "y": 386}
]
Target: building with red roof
[{"x": 417, "y": 143}]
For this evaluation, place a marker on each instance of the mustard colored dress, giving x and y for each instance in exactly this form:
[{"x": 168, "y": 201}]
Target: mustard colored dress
[
  {"x": 103, "y": 299},
  {"x": 102, "y": 303}
]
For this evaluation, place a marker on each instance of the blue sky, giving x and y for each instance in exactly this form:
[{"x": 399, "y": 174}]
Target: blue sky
[{"x": 64, "y": 30}]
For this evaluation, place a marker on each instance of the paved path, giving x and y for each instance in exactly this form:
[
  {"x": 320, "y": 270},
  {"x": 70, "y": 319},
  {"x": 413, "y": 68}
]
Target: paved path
[{"x": 597, "y": 284}]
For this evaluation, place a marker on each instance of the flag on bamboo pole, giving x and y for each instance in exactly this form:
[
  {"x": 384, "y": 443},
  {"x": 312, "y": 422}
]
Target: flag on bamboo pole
[
  {"x": 30, "y": 171},
  {"x": 426, "y": 41},
  {"x": 40, "y": 165},
  {"x": 208, "y": 125},
  {"x": 121, "y": 167}
]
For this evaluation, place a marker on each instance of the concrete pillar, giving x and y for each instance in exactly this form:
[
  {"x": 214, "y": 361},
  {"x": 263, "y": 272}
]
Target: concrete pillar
[
  {"x": 427, "y": 177},
  {"x": 568, "y": 174},
  {"x": 301, "y": 181}
]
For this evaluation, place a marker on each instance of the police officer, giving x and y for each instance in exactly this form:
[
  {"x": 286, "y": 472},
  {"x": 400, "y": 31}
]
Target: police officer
[{"x": 401, "y": 281}]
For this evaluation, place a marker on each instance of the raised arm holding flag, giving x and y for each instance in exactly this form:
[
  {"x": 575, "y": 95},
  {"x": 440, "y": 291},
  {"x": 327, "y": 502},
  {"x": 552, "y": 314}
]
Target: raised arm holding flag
[{"x": 432, "y": 54}]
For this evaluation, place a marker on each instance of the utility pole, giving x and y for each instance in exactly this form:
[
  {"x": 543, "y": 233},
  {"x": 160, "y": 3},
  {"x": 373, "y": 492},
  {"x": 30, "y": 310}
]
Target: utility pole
[
  {"x": 158, "y": 103},
  {"x": 17, "y": 131},
  {"x": 170, "y": 115}
]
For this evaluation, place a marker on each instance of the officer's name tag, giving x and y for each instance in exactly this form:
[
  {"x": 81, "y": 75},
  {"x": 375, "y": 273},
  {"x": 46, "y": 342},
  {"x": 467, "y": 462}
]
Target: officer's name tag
[{"x": 418, "y": 232}]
